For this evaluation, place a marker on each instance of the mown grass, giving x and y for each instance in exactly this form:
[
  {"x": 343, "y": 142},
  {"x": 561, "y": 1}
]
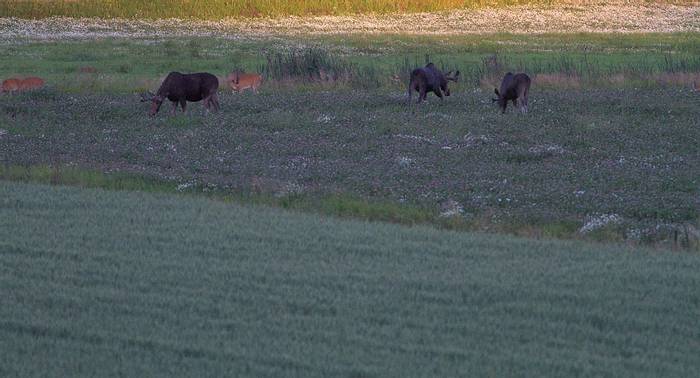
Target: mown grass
[
  {"x": 218, "y": 9},
  {"x": 129, "y": 283}
]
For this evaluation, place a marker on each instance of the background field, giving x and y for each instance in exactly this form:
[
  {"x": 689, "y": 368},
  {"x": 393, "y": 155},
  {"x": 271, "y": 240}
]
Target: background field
[
  {"x": 217, "y": 9},
  {"x": 116, "y": 283}
]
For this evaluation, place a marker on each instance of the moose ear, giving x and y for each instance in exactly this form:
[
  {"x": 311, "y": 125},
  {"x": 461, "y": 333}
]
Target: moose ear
[
  {"x": 496, "y": 90},
  {"x": 457, "y": 73}
]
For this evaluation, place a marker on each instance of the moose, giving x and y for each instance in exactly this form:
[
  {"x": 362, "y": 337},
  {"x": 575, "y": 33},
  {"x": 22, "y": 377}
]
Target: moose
[
  {"x": 513, "y": 87},
  {"x": 180, "y": 88},
  {"x": 430, "y": 79},
  {"x": 240, "y": 81}
]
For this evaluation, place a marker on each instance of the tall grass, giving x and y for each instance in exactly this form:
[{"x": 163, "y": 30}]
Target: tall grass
[
  {"x": 319, "y": 66},
  {"x": 568, "y": 70},
  {"x": 217, "y": 9}
]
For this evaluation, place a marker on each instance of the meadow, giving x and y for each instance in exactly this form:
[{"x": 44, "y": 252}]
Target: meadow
[
  {"x": 610, "y": 140},
  {"x": 108, "y": 283},
  {"x": 326, "y": 227}
]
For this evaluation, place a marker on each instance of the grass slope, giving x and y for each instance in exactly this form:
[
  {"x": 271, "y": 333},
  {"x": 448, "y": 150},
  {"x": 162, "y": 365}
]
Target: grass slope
[{"x": 104, "y": 283}]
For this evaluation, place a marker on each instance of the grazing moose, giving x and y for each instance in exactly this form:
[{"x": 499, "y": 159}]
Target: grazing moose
[
  {"x": 513, "y": 87},
  {"x": 240, "y": 81},
  {"x": 430, "y": 79},
  {"x": 180, "y": 88}
]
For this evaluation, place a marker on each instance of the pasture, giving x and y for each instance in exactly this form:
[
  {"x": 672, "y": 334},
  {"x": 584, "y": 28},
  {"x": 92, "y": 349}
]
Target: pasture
[
  {"x": 609, "y": 146},
  {"x": 323, "y": 226},
  {"x": 107, "y": 283}
]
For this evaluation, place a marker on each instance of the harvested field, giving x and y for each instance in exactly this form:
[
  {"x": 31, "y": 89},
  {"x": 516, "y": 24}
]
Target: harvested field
[{"x": 588, "y": 18}]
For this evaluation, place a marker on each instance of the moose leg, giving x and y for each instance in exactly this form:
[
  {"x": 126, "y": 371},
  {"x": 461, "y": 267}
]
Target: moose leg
[
  {"x": 215, "y": 101},
  {"x": 438, "y": 93},
  {"x": 422, "y": 94},
  {"x": 183, "y": 104},
  {"x": 175, "y": 107}
]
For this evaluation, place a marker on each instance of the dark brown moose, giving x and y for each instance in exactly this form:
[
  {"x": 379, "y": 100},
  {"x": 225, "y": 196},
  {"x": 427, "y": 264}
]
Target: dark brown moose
[
  {"x": 513, "y": 87},
  {"x": 430, "y": 79},
  {"x": 180, "y": 88}
]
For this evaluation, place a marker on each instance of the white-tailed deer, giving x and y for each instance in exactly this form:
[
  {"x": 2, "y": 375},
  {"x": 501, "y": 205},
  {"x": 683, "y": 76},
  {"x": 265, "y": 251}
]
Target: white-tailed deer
[{"x": 240, "y": 81}]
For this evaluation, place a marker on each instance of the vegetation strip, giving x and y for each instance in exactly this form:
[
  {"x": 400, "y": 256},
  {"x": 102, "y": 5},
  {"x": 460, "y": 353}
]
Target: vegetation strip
[
  {"x": 641, "y": 17},
  {"x": 107, "y": 276}
]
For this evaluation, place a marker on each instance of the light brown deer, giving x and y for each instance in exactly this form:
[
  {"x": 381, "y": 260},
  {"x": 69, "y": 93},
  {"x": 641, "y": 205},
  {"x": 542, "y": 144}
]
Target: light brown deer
[
  {"x": 17, "y": 85},
  {"x": 240, "y": 81},
  {"x": 11, "y": 85},
  {"x": 31, "y": 83}
]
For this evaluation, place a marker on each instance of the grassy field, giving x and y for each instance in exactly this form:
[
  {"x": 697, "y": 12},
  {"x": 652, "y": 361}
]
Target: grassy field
[
  {"x": 588, "y": 60},
  {"x": 611, "y": 134},
  {"x": 217, "y": 9},
  {"x": 125, "y": 283}
]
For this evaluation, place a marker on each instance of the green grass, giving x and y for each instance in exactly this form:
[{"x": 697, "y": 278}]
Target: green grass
[
  {"x": 217, "y": 9},
  {"x": 135, "y": 65},
  {"x": 338, "y": 205},
  {"x": 341, "y": 143},
  {"x": 129, "y": 283},
  {"x": 576, "y": 155}
]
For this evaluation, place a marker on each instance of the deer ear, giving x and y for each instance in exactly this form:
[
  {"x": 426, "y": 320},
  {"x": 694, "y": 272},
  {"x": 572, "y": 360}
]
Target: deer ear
[{"x": 496, "y": 91}]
